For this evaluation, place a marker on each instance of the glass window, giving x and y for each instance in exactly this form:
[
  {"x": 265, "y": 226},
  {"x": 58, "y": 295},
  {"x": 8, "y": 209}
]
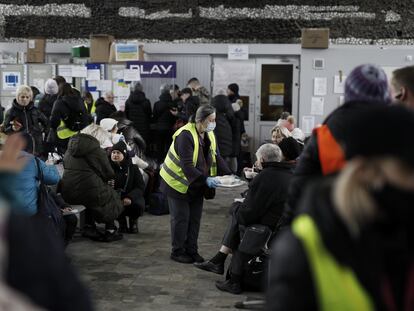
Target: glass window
[{"x": 276, "y": 91}]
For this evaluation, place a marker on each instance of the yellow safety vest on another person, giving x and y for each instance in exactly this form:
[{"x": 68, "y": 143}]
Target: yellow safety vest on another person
[
  {"x": 63, "y": 132},
  {"x": 171, "y": 170},
  {"x": 337, "y": 287},
  {"x": 93, "y": 108}
]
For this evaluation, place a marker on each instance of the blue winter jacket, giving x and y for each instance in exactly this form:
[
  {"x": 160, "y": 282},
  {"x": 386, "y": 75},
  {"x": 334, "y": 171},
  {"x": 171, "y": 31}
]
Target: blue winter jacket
[{"x": 27, "y": 182}]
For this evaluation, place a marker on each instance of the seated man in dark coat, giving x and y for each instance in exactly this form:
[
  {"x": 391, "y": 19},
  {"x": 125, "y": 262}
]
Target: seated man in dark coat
[{"x": 264, "y": 204}]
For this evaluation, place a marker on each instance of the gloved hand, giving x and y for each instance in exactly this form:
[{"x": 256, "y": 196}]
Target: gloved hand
[{"x": 212, "y": 182}]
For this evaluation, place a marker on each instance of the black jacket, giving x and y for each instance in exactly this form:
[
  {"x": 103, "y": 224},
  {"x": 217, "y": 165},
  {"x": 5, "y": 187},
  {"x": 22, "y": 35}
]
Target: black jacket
[
  {"x": 224, "y": 124},
  {"x": 188, "y": 109},
  {"x": 162, "y": 117},
  {"x": 103, "y": 109},
  {"x": 129, "y": 182},
  {"x": 84, "y": 181},
  {"x": 238, "y": 130},
  {"x": 63, "y": 108},
  {"x": 138, "y": 110},
  {"x": 37, "y": 267},
  {"x": 1, "y": 114},
  {"x": 369, "y": 256},
  {"x": 34, "y": 122},
  {"x": 267, "y": 194},
  {"x": 308, "y": 165},
  {"x": 46, "y": 104}
]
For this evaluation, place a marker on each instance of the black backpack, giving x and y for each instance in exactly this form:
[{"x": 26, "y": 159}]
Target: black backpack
[
  {"x": 47, "y": 207},
  {"x": 77, "y": 119}
]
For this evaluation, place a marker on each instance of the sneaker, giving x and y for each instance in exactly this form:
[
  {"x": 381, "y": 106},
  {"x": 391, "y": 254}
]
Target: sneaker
[
  {"x": 181, "y": 257},
  {"x": 230, "y": 287},
  {"x": 211, "y": 267},
  {"x": 196, "y": 258}
]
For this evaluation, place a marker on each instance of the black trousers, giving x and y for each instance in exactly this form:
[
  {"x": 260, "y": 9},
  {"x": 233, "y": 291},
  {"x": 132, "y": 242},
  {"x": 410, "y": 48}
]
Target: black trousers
[
  {"x": 132, "y": 211},
  {"x": 185, "y": 224},
  {"x": 70, "y": 226},
  {"x": 234, "y": 232}
]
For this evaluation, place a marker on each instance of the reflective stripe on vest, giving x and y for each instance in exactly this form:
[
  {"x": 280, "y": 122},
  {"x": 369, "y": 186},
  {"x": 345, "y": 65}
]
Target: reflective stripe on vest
[
  {"x": 331, "y": 155},
  {"x": 171, "y": 171},
  {"x": 63, "y": 132},
  {"x": 337, "y": 287}
]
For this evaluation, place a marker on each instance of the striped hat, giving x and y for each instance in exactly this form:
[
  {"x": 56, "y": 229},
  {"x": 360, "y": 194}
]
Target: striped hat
[{"x": 367, "y": 83}]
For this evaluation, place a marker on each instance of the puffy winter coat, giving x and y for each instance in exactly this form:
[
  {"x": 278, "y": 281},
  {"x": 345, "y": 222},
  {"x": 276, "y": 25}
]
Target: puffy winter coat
[
  {"x": 103, "y": 109},
  {"x": 27, "y": 182},
  {"x": 34, "y": 123},
  {"x": 224, "y": 122},
  {"x": 84, "y": 181},
  {"x": 138, "y": 110},
  {"x": 132, "y": 137},
  {"x": 63, "y": 107},
  {"x": 128, "y": 181},
  {"x": 162, "y": 117}
]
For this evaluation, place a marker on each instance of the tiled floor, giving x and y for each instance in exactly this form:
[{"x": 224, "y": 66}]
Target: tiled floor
[{"x": 137, "y": 274}]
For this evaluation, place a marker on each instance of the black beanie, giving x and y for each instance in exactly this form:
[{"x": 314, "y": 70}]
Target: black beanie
[
  {"x": 122, "y": 148},
  {"x": 290, "y": 148},
  {"x": 234, "y": 88},
  {"x": 381, "y": 131}
]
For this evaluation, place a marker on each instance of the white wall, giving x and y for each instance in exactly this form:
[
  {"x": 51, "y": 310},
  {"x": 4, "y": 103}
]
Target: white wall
[{"x": 345, "y": 58}]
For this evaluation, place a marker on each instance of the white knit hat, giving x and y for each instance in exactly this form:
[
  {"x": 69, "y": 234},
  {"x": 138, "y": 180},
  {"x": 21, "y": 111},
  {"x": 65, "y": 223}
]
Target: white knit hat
[
  {"x": 51, "y": 87},
  {"x": 108, "y": 124}
]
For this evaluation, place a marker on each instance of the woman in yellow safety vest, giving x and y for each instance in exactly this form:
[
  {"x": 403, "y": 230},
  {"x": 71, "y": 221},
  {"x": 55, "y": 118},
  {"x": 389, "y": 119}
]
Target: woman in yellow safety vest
[
  {"x": 352, "y": 245},
  {"x": 89, "y": 103},
  {"x": 187, "y": 177}
]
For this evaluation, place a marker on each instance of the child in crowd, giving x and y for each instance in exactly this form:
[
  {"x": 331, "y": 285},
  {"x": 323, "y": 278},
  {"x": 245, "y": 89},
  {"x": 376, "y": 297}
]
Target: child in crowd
[{"x": 129, "y": 184}]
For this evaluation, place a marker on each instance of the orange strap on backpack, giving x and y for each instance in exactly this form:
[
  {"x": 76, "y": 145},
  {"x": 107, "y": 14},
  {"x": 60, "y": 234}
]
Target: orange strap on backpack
[{"x": 331, "y": 155}]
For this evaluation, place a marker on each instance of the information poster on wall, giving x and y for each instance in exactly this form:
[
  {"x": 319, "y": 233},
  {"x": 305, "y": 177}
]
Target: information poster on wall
[
  {"x": 276, "y": 100},
  {"x": 132, "y": 75},
  {"x": 93, "y": 74},
  {"x": 238, "y": 52},
  {"x": 126, "y": 52},
  {"x": 339, "y": 84},
  {"x": 317, "y": 105},
  {"x": 320, "y": 86},
  {"x": 308, "y": 124},
  {"x": 104, "y": 85},
  {"x": 276, "y": 88},
  {"x": 79, "y": 71},
  {"x": 11, "y": 80},
  {"x": 65, "y": 70},
  {"x": 121, "y": 93}
]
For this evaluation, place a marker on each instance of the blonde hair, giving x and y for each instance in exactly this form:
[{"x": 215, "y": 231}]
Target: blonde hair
[
  {"x": 352, "y": 190},
  {"x": 281, "y": 131},
  {"x": 24, "y": 89},
  {"x": 291, "y": 120},
  {"x": 97, "y": 132}
]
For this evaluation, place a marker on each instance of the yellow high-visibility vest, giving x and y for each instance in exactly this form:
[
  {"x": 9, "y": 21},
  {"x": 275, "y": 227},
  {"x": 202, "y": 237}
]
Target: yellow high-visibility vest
[
  {"x": 63, "y": 132},
  {"x": 93, "y": 109},
  {"x": 337, "y": 287},
  {"x": 171, "y": 171}
]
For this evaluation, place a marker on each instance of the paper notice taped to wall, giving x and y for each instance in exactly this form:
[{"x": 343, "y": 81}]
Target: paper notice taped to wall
[{"x": 308, "y": 124}]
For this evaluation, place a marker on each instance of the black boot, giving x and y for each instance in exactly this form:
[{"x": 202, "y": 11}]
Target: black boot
[
  {"x": 122, "y": 224},
  {"x": 133, "y": 225},
  {"x": 229, "y": 286}
]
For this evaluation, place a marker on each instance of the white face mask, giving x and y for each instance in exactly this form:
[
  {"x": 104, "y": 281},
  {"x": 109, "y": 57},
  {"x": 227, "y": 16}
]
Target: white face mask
[
  {"x": 116, "y": 138},
  {"x": 211, "y": 126}
]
